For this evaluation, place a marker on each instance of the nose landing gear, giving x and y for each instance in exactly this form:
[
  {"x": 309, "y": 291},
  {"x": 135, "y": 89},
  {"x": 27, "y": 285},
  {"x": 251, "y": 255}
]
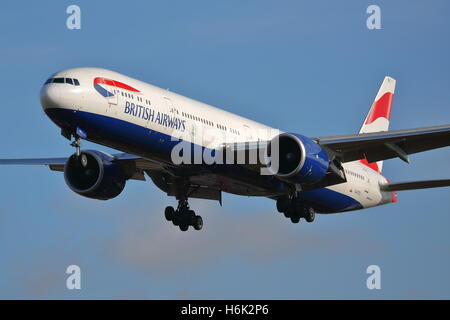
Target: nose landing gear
[
  {"x": 183, "y": 217},
  {"x": 78, "y": 135},
  {"x": 77, "y": 145}
]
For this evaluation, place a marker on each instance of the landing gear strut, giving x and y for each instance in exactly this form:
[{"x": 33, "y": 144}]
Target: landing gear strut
[
  {"x": 295, "y": 209},
  {"x": 77, "y": 144},
  {"x": 183, "y": 217},
  {"x": 77, "y": 135}
]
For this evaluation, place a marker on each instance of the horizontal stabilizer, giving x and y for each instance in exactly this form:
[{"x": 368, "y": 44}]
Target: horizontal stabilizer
[{"x": 413, "y": 185}]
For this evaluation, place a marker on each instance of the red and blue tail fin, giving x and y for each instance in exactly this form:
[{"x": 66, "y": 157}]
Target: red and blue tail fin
[{"x": 379, "y": 115}]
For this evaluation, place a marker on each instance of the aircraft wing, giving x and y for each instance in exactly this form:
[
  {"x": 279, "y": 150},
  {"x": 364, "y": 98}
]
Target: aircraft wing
[
  {"x": 57, "y": 161},
  {"x": 414, "y": 185},
  {"x": 36, "y": 161},
  {"x": 384, "y": 145},
  {"x": 133, "y": 164},
  {"x": 135, "y": 167}
]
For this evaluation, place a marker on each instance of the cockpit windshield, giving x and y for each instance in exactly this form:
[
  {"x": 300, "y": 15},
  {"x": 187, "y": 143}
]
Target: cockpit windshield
[{"x": 71, "y": 81}]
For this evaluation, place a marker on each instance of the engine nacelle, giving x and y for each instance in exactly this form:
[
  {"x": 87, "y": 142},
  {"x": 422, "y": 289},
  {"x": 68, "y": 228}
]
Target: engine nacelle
[
  {"x": 301, "y": 160},
  {"x": 93, "y": 174}
]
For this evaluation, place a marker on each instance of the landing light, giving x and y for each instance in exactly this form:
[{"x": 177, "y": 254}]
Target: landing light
[{"x": 84, "y": 160}]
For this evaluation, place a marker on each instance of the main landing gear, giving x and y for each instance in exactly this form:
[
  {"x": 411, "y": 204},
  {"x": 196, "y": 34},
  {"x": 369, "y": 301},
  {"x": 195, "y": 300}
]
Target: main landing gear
[
  {"x": 294, "y": 209},
  {"x": 183, "y": 217}
]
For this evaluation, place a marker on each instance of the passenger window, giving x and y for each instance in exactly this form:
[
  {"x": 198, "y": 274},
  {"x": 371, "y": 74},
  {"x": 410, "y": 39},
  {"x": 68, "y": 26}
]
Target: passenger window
[
  {"x": 75, "y": 82},
  {"x": 58, "y": 80},
  {"x": 69, "y": 81}
]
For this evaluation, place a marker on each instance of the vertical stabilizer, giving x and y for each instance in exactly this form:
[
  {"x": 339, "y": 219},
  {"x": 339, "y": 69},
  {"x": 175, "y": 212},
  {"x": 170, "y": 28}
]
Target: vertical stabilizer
[{"x": 379, "y": 115}]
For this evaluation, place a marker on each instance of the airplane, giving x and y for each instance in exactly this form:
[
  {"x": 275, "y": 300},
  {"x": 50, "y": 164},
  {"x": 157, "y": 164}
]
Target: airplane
[{"x": 146, "y": 124}]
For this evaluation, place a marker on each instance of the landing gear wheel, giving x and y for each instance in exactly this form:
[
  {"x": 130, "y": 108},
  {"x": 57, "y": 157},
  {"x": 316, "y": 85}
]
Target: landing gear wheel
[
  {"x": 295, "y": 219},
  {"x": 169, "y": 213},
  {"x": 183, "y": 217},
  {"x": 190, "y": 216},
  {"x": 176, "y": 219},
  {"x": 282, "y": 204},
  {"x": 310, "y": 214},
  {"x": 198, "y": 223}
]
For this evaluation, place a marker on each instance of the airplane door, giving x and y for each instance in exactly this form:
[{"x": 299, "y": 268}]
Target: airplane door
[
  {"x": 248, "y": 133},
  {"x": 168, "y": 105},
  {"x": 112, "y": 99},
  {"x": 169, "y": 110},
  {"x": 163, "y": 107}
]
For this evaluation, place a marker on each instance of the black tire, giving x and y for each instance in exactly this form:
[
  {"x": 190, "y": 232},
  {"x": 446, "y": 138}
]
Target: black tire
[
  {"x": 295, "y": 219},
  {"x": 310, "y": 214},
  {"x": 297, "y": 206},
  {"x": 169, "y": 213},
  {"x": 184, "y": 227},
  {"x": 198, "y": 223},
  {"x": 282, "y": 204},
  {"x": 287, "y": 213},
  {"x": 176, "y": 219},
  {"x": 190, "y": 217}
]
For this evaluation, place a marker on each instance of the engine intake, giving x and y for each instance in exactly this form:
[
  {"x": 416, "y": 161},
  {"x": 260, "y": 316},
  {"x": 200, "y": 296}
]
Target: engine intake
[
  {"x": 301, "y": 160},
  {"x": 92, "y": 174}
]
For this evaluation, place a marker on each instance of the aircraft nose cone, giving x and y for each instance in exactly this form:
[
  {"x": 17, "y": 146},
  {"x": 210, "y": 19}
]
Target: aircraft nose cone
[{"x": 50, "y": 96}]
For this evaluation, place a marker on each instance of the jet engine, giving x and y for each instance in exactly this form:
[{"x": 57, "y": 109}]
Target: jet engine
[
  {"x": 93, "y": 174},
  {"x": 300, "y": 159}
]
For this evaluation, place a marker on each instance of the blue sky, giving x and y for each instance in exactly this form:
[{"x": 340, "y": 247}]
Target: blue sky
[{"x": 310, "y": 67}]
